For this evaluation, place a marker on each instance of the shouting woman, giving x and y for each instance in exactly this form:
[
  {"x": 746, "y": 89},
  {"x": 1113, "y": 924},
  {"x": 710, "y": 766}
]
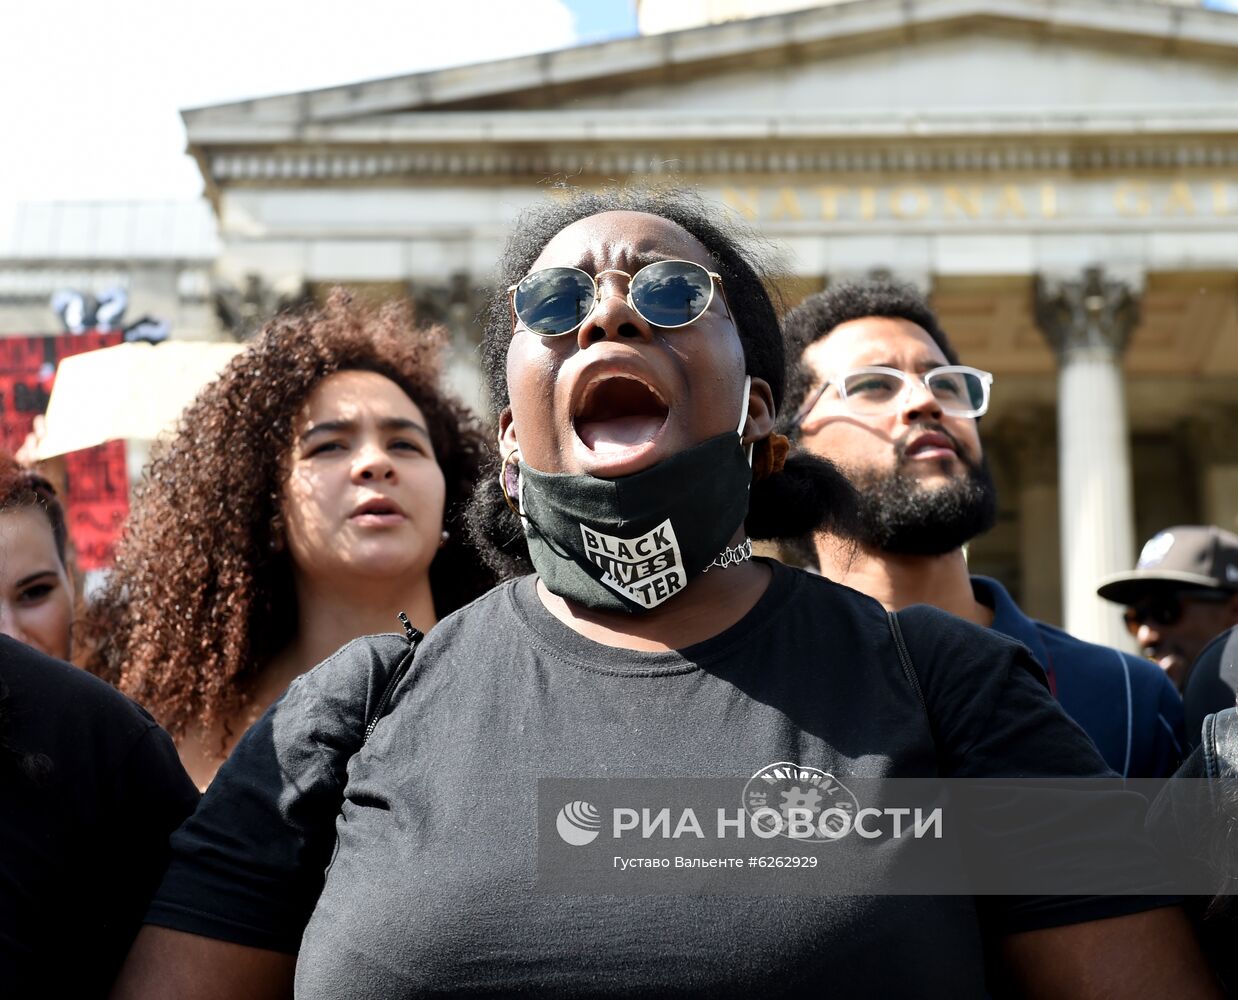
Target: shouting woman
[{"x": 376, "y": 833}]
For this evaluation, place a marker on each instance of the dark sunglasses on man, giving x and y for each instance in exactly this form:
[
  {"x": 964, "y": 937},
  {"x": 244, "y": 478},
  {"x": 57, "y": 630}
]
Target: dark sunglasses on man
[{"x": 1166, "y": 609}]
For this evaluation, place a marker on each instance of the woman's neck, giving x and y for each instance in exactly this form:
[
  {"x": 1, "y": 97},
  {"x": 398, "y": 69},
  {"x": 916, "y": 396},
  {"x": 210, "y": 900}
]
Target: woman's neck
[
  {"x": 326, "y": 620},
  {"x": 706, "y": 607},
  {"x": 330, "y": 617}
]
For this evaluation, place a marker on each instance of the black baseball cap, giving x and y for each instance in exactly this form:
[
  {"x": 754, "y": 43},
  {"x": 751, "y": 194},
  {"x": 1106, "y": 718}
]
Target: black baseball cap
[{"x": 1188, "y": 555}]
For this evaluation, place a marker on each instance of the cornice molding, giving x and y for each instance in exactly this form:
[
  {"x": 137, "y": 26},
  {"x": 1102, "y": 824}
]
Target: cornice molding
[
  {"x": 483, "y": 161},
  {"x": 699, "y": 125}
]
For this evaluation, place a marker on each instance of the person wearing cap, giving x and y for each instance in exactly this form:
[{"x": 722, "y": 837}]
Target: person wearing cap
[
  {"x": 881, "y": 393},
  {"x": 1182, "y": 593}
]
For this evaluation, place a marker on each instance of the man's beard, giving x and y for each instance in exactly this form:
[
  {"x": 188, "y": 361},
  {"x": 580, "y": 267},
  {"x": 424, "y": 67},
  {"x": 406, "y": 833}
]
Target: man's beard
[{"x": 901, "y": 516}]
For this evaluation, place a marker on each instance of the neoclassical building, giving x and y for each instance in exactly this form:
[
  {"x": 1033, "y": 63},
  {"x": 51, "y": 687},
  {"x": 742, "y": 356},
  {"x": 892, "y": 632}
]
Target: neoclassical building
[{"x": 1061, "y": 178}]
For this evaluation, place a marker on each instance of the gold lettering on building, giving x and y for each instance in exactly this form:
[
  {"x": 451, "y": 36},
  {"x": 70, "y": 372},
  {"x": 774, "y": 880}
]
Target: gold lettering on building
[
  {"x": 1220, "y": 198},
  {"x": 1048, "y": 201},
  {"x": 868, "y": 204},
  {"x": 1083, "y": 200},
  {"x": 829, "y": 202},
  {"x": 1010, "y": 203},
  {"x": 1132, "y": 198},
  {"x": 744, "y": 202},
  {"x": 1180, "y": 199},
  {"x": 919, "y": 203},
  {"x": 962, "y": 200},
  {"x": 787, "y": 206}
]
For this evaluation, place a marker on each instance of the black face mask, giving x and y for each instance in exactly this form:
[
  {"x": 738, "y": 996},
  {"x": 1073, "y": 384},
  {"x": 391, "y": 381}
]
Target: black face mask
[{"x": 631, "y": 543}]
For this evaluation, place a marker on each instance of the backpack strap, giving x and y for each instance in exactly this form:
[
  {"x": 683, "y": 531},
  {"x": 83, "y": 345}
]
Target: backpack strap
[
  {"x": 406, "y": 661},
  {"x": 904, "y": 657}
]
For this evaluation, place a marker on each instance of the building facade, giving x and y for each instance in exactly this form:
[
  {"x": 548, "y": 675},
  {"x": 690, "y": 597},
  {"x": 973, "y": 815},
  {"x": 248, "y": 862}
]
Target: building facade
[
  {"x": 1061, "y": 179},
  {"x": 159, "y": 254}
]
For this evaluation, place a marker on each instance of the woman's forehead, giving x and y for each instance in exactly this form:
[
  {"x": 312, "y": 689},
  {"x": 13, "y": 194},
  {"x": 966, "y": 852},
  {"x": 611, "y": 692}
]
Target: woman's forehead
[
  {"x": 623, "y": 240},
  {"x": 354, "y": 393}
]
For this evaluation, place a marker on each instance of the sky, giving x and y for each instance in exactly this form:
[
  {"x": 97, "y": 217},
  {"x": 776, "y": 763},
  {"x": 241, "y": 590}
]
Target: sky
[{"x": 92, "y": 90}]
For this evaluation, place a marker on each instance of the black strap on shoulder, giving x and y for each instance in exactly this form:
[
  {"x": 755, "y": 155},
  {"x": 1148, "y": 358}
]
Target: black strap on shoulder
[
  {"x": 904, "y": 657},
  {"x": 406, "y": 661}
]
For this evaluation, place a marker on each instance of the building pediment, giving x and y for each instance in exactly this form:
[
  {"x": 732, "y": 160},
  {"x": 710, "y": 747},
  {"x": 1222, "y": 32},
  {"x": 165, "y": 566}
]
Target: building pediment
[
  {"x": 873, "y": 85},
  {"x": 872, "y": 54}
]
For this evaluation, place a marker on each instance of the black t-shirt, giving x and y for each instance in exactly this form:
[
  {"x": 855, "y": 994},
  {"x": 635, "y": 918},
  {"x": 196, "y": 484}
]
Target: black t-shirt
[
  {"x": 427, "y": 833},
  {"x": 90, "y": 789}
]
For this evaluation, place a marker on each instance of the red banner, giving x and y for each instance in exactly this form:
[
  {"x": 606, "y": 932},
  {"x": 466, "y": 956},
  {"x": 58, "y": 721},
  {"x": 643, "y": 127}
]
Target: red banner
[{"x": 98, "y": 483}]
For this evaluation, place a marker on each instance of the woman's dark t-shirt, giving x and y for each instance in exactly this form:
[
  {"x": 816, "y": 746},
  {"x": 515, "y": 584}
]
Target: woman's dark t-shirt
[{"x": 428, "y": 833}]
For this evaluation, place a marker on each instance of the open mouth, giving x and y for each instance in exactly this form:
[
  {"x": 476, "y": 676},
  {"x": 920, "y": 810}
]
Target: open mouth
[
  {"x": 379, "y": 509},
  {"x": 618, "y": 412}
]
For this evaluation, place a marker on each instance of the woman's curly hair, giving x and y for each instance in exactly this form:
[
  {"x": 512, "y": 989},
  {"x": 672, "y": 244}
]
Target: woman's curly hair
[{"x": 201, "y": 594}]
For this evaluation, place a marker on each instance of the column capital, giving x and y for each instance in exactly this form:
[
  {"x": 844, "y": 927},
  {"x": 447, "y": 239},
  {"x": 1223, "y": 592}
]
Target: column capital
[
  {"x": 243, "y": 306},
  {"x": 455, "y": 303},
  {"x": 1093, "y": 315}
]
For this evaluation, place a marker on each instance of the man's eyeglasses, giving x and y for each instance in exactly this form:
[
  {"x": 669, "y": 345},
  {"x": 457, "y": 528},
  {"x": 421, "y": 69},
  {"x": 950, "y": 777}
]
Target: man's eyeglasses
[
  {"x": 1166, "y": 609},
  {"x": 555, "y": 301},
  {"x": 960, "y": 391}
]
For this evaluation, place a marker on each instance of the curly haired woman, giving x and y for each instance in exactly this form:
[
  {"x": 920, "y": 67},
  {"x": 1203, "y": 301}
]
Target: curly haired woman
[{"x": 302, "y": 503}]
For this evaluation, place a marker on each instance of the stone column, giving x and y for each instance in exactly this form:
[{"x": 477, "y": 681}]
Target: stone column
[
  {"x": 1032, "y": 440},
  {"x": 1088, "y": 323}
]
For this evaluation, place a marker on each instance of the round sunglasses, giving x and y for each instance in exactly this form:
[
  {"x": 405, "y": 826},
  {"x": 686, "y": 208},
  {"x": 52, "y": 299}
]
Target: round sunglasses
[{"x": 555, "y": 301}]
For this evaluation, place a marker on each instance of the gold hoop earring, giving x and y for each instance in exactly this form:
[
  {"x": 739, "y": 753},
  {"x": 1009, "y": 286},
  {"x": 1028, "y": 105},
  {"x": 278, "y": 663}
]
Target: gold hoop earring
[{"x": 514, "y": 453}]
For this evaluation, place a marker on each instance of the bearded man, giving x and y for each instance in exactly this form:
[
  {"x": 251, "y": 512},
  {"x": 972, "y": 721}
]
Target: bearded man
[{"x": 881, "y": 393}]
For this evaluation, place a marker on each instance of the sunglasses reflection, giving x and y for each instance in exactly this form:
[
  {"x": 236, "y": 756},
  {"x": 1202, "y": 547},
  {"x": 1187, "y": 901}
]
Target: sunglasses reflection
[{"x": 556, "y": 301}]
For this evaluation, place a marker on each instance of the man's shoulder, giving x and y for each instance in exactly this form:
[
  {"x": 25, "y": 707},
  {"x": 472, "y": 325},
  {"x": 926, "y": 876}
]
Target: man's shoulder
[
  {"x": 932, "y": 633},
  {"x": 1083, "y": 655},
  {"x": 1079, "y": 654},
  {"x": 815, "y": 592}
]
